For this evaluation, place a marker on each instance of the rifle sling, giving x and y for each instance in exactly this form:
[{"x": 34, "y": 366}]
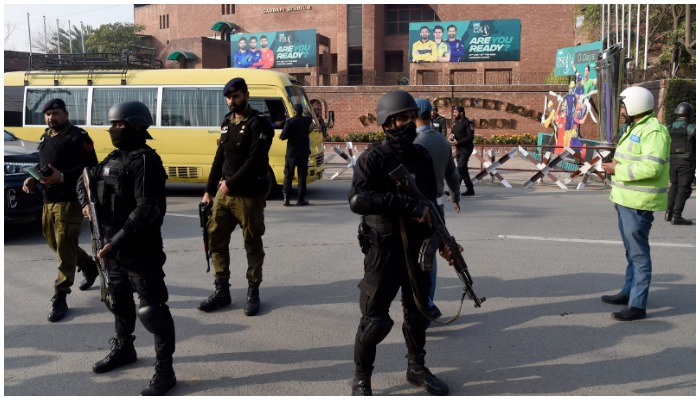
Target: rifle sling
[{"x": 422, "y": 307}]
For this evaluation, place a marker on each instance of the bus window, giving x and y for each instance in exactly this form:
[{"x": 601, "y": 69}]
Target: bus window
[
  {"x": 193, "y": 107},
  {"x": 104, "y": 98},
  {"x": 14, "y": 95},
  {"x": 76, "y": 104},
  {"x": 272, "y": 109}
]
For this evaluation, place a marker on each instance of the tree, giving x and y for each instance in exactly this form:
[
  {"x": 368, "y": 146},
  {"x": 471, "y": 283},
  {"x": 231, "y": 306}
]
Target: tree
[
  {"x": 671, "y": 31},
  {"x": 115, "y": 38}
]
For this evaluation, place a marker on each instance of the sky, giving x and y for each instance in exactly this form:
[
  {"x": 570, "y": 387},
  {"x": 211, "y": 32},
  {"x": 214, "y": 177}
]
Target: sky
[{"x": 15, "y": 19}]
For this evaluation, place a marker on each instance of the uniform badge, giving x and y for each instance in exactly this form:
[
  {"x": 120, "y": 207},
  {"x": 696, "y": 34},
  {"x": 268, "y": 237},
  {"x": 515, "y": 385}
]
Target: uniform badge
[
  {"x": 224, "y": 130},
  {"x": 635, "y": 138},
  {"x": 105, "y": 171}
]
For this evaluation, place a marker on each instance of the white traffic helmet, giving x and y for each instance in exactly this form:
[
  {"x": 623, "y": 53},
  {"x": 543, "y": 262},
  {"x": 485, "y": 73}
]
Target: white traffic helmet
[{"x": 637, "y": 100}]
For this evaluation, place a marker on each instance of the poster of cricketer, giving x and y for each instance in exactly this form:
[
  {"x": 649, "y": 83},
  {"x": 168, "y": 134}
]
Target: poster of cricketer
[{"x": 275, "y": 49}]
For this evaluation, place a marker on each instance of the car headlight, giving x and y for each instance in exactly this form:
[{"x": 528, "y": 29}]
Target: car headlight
[{"x": 16, "y": 167}]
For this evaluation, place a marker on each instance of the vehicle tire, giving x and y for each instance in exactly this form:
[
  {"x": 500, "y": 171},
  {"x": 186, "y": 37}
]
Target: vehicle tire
[{"x": 273, "y": 189}]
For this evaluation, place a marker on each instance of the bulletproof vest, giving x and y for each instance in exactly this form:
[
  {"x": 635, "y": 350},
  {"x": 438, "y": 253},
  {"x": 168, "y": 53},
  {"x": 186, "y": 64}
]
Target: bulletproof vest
[
  {"x": 115, "y": 188},
  {"x": 679, "y": 137}
]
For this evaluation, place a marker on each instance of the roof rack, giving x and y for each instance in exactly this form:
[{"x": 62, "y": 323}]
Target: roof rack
[{"x": 90, "y": 63}]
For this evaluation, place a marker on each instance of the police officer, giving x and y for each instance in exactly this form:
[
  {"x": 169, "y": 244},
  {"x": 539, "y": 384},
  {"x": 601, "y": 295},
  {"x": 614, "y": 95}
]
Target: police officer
[
  {"x": 238, "y": 183},
  {"x": 438, "y": 121},
  {"x": 130, "y": 192},
  {"x": 64, "y": 150},
  {"x": 375, "y": 196},
  {"x": 463, "y": 140},
  {"x": 682, "y": 163},
  {"x": 296, "y": 131}
]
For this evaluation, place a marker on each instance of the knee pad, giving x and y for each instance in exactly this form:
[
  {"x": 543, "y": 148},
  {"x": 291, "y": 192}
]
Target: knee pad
[
  {"x": 156, "y": 319},
  {"x": 120, "y": 302},
  {"x": 376, "y": 330}
]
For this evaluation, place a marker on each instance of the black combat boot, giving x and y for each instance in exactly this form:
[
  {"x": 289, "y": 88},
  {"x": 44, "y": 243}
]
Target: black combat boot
[
  {"x": 90, "y": 273},
  {"x": 123, "y": 353},
  {"x": 417, "y": 374},
  {"x": 285, "y": 198},
  {"x": 301, "y": 201},
  {"x": 678, "y": 220},
  {"x": 362, "y": 384},
  {"x": 59, "y": 307},
  {"x": 669, "y": 215},
  {"x": 220, "y": 298},
  {"x": 253, "y": 304},
  {"x": 163, "y": 380}
]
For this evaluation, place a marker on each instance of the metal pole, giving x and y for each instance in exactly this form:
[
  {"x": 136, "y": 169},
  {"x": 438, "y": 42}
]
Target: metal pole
[
  {"x": 617, "y": 25},
  {"x": 70, "y": 40},
  {"x": 58, "y": 39},
  {"x": 646, "y": 39},
  {"x": 30, "y": 35},
  {"x": 46, "y": 41},
  {"x": 82, "y": 36},
  {"x": 629, "y": 31},
  {"x": 602, "y": 24},
  {"x": 636, "y": 53},
  {"x": 622, "y": 26},
  {"x": 608, "y": 25}
]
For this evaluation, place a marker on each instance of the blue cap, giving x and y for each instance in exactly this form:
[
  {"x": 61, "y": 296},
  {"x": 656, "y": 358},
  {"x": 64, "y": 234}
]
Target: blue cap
[
  {"x": 234, "y": 85},
  {"x": 424, "y": 108},
  {"x": 54, "y": 104}
]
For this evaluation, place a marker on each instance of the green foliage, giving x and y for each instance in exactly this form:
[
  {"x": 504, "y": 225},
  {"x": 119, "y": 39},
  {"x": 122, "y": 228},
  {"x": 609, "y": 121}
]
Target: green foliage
[
  {"x": 362, "y": 137},
  {"x": 677, "y": 91},
  {"x": 114, "y": 38}
]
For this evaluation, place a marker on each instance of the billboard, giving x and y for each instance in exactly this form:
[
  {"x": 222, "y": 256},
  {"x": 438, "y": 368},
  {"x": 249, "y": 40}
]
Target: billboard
[
  {"x": 464, "y": 41},
  {"x": 274, "y": 49},
  {"x": 573, "y": 60}
]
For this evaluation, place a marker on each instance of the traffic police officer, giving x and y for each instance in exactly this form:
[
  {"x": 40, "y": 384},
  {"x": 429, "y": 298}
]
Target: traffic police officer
[
  {"x": 375, "y": 196},
  {"x": 682, "y": 163},
  {"x": 639, "y": 183},
  {"x": 238, "y": 183},
  {"x": 64, "y": 150},
  {"x": 130, "y": 192}
]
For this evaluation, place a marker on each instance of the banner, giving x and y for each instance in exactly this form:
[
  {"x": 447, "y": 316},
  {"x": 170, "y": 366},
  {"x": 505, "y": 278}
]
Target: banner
[
  {"x": 573, "y": 60},
  {"x": 464, "y": 41},
  {"x": 275, "y": 49}
]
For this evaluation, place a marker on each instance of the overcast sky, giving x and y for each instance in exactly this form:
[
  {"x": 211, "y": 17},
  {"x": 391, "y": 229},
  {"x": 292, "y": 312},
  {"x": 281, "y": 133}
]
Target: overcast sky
[{"x": 16, "y": 29}]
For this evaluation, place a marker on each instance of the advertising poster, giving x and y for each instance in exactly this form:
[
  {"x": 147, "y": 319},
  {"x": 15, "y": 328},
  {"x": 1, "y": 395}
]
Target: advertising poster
[
  {"x": 572, "y": 60},
  {"x": 274, "y": 49},
  {"x": 464, "y": 41}
]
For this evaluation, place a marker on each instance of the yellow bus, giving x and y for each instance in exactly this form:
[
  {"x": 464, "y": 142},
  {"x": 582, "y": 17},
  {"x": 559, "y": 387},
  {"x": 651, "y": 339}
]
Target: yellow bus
[{"x": 187, "y": 106}]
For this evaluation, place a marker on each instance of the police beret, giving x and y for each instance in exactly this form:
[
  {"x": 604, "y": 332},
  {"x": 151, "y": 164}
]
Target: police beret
[
  {"x": 54, "y": 104},
  {"x": 234, "y": 85},
  {"x": 459, "y": 109}
]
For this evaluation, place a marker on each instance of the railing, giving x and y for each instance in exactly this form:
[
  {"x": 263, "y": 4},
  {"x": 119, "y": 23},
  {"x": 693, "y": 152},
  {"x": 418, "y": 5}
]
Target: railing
[{"x": 93, "y": 61}]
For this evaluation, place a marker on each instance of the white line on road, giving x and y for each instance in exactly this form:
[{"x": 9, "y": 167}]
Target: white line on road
[
  {"x": 182, "y": 215},
  {"x": 590, "y": 241}
]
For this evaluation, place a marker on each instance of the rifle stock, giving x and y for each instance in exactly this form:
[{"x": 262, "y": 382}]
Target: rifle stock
[
  {"x": 97, "y": 234},
  {"x": 439, "y": 235},
  {"x": 204, "y": 215}
]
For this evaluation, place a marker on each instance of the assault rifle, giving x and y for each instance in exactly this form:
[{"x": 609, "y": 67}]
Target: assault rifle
[
  {"x": 438, "y": 236},
  {"x": 98, "y": 237},
  {"x": 204, "y": 215}
]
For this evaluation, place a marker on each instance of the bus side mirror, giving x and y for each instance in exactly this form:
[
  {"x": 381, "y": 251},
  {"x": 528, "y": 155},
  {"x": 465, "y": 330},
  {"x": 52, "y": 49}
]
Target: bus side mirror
[{"x": 331, "y": 119}]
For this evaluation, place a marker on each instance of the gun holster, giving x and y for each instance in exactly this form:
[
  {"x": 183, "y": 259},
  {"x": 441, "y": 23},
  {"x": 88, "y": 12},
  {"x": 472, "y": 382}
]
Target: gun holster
[{"x": 363, "y": 236}]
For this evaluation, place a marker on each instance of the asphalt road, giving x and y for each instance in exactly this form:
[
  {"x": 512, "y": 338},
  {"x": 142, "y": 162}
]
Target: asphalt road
[{"x": 542, "y": 257}]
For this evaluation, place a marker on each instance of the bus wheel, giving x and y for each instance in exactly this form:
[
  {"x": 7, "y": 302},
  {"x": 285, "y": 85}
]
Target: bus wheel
[{"x": 273, "y": 189}]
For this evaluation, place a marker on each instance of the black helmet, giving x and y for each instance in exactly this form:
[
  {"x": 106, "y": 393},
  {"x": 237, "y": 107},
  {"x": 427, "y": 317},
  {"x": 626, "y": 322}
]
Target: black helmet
[
  {"x": 685, "y": 109},
  {"x": 135, "y": 113},
  {"x": 394, "y": 103}
]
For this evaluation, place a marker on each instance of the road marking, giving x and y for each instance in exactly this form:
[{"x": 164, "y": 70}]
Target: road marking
[
  {"x": 182, "y": 215},
  {"x": 590, "y": 241}
]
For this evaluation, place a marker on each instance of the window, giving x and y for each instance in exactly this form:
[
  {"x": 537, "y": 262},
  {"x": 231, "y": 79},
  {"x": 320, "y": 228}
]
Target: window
[
  {"x": 272, "y": 109},
  {"x": 165, "y": 21},
  {"x": 75, "y": 98},
  {"x": 393, "y": 61},
  {"x": 104, "y": 98},
  {"x": 227, "y": 9},
  {"x": 192, "y": 107},
  {"x": 397, "y": 17}
]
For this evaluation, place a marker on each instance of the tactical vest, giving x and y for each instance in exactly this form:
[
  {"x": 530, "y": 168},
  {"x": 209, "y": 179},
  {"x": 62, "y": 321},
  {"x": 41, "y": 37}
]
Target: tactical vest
[
  {"x": 679, "y": 137},
  {"x": 115, "y": 188}
]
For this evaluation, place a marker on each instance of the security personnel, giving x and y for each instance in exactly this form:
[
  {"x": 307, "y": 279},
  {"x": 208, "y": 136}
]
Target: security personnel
[
  {"x": 375, "y": 196},
  {"x": 463, "y": 140},
  {"x": 296, "y": 131},
  {"x": 130, "y": 193},
  {"x": 682, "y": 164},
  {"x": 438, "y": 121},
  {"x": 64, "y": 150},
  {"x": 639, "y": 182},
  {"x": 238, "y": 183}
]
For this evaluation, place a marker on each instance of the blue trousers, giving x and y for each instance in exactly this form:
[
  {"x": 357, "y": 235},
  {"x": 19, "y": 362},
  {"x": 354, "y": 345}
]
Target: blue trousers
[{"x": 634, "y": 228}]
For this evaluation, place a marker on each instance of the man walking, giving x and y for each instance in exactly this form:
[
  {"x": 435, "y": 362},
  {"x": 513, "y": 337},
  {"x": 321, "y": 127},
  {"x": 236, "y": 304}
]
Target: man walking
[
  {"x": 682, "y": 168},
  {"x": 439, "y": 122},
  {"x": 463, "y": 140},
  {"x": 296, "y": 132},
  {"x": 64, "y": 150}
]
